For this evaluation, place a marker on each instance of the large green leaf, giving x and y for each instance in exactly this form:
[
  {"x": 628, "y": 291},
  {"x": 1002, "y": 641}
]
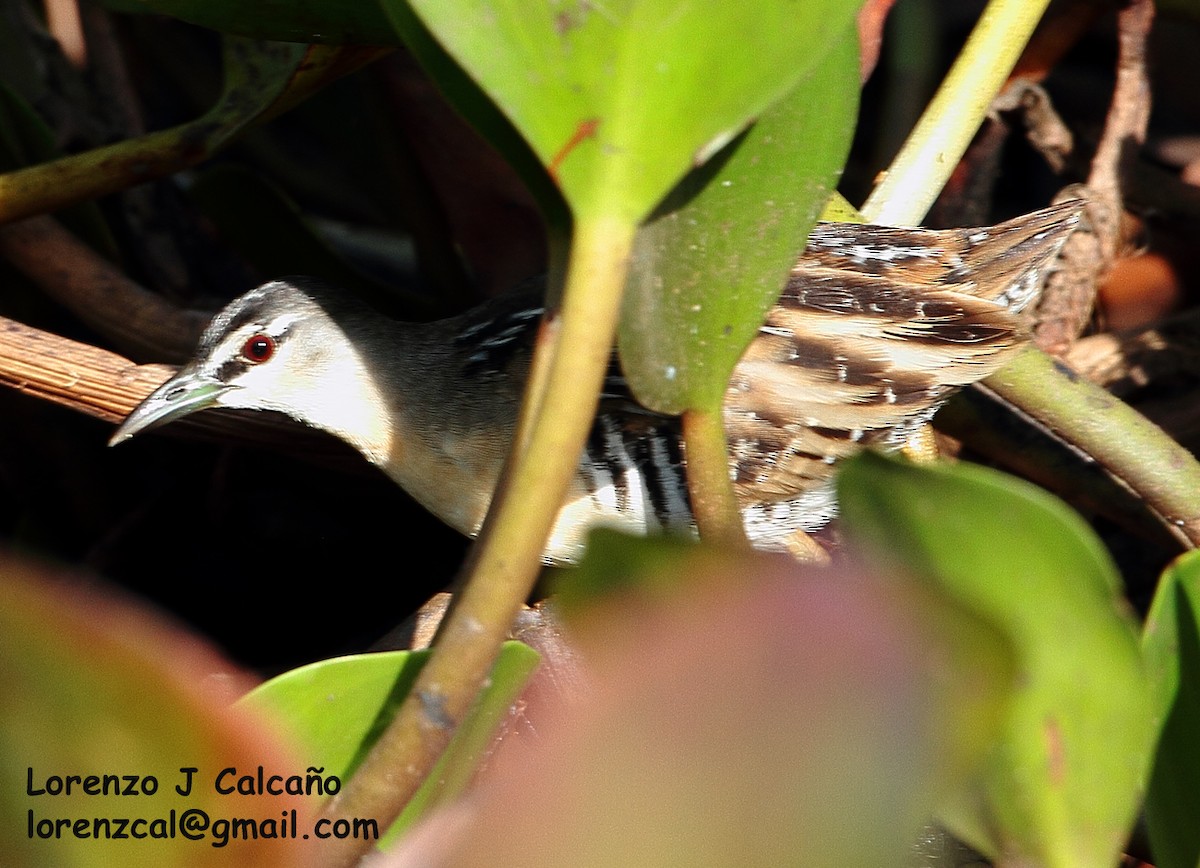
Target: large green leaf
[
  {"x": 712, "y": 259},
  {"x": 465, "y": 94},
  {"x": 1063, "y": 784},
  {"x": 336, "y": 709},
  {"x": 741, "y": 710},
  {"x": 1171, "y": 641},
  {"x": 620, "y": 99}
]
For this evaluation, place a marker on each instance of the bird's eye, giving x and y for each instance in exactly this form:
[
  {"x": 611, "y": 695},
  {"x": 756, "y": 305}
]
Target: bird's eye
[{"x": 258, "y": 349}]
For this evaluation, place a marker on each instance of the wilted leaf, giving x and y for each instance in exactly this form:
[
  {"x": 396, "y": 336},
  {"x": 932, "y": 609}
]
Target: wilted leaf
[{"x": 94, "y": 686}]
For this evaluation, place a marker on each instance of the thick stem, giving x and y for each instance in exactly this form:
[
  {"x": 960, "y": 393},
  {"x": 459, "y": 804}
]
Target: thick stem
[
  {"x": 138, "y": 321},
  {"x": 713, "y": 502},
  {"x": 506, "y": 559},
  {"x": 1132, "y": 449},
  {"x": 941, "y": 136}
]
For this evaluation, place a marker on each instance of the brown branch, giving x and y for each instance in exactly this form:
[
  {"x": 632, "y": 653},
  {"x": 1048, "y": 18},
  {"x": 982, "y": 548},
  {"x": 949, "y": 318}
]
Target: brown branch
[
  {"x": 1165, "y": 355},
  {"x": 108, "y": 386},
  {"x": 75, "y": 375},
  {"x": 138, "y": 321},
  {"x": 1070, "y": 294},
  {"x": 1125, "y": 126}
]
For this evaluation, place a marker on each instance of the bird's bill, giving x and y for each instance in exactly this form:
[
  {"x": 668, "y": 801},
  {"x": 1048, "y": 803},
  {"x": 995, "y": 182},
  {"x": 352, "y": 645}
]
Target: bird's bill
[{"x": 182, "y": 395}]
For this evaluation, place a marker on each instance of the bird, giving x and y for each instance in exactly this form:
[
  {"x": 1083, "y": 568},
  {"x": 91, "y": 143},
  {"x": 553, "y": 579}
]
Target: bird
[{"x": 875, "y": 328}]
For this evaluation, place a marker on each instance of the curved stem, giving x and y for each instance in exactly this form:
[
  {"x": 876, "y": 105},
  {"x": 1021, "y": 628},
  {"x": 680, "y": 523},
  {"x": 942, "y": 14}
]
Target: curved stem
[
  {"x": 1132, "y": 449},
  {"x": 941, "y": 136},
  {"x": 505, "y": 561},
  {"x": 713, "y": 502},
  {"x": 263, "y": 80}
]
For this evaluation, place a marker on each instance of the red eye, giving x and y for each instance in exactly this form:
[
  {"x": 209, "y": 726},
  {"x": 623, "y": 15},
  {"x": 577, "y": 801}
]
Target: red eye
[{"x": 258, "y": 349}]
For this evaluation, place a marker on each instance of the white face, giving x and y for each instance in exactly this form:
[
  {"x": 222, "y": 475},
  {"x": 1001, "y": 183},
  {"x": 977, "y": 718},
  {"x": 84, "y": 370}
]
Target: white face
[
  {"x": 295, "y": 358},
  {"x": 273, "y": 363}
]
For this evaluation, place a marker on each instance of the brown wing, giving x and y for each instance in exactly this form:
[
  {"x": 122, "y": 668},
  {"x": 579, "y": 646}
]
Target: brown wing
[
  {"x": 875, "y": 329},
  {"x": 1006, "y": 263}
]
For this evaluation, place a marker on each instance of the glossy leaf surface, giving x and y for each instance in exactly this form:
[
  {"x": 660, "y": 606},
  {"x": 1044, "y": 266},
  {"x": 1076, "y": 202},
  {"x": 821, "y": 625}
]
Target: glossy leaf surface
[
  {"x": 1064, "y": 782},
  {"x": 336, "y": 709},
  {"x": 713, "y": 258},
  {"x": 1171, "y": 640},
  {"x": 620, "y": 99}
]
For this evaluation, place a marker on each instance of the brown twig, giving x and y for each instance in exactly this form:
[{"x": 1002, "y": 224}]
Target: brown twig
[
  {"x": 1165, "y": 356},
  {"x": 1125, "y": 127},
  {"x": 1045, "y": 130},
  {"x": 1070, "y": 294},
  {"x": 138, "y": 321},
  {"x": 75, "y": 375},
  {"x": 108, "y": 386}
]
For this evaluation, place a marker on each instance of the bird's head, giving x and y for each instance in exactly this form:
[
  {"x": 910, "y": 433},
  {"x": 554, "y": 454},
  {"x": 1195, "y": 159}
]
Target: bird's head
[{"x": 293, "y": 346}]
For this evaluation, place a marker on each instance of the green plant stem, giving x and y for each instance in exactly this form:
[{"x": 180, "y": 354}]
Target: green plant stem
[
  {"x": 713, "y": 502},
  {"x": 1132, "y": 449},
  {"x": 262, "y": 82},
  {"x": 504, "y": 562},
  {"x": 941, "y": 136},
  {"x": 60, "y": 183}
]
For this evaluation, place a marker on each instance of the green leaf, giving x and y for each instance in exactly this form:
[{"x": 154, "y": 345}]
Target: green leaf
[
  {"x": 620, "y": 99},
  {"x": 1062, "y": 786},
  {"x": 1171, "y": 641},
  {"x": 336, "y": 710},
  {"x": 758, "y": 714},
  {"x": 462, "y": 92},
  {"x": 712, "y": 259},
  {"x": 838, "y": 209}
]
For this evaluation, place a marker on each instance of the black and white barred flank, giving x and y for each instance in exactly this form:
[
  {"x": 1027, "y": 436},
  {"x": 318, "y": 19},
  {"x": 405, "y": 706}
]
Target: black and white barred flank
[{"x": 876, "y": 327}]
